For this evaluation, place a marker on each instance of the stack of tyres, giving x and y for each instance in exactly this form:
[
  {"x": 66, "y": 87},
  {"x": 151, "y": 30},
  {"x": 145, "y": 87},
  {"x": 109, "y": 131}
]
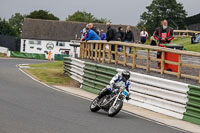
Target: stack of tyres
[{"x": 171, "y": 57}]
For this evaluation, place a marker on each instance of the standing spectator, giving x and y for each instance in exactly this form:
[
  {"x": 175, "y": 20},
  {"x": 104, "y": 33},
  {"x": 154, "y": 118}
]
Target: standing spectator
[
  {"x": 91, "y": 35},
  {"x": 110, "y": 36},
  {"x": 120, "y": 37},
  {"x": 91, "y": 26},
  {"x": 102, "y": 35},
  {"x": 164, "y": 35},
  {"x": 143, "y": 35},
  {"x": 128, "y": 37}
]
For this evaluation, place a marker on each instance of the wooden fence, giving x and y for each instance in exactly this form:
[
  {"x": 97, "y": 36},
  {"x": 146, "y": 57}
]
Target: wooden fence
[
  {"x": 101, "y": 54},
  {"x": 184, "y": 33}
]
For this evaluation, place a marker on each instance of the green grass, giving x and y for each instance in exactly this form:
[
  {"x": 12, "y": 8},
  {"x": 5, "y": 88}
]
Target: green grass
[
  {"x": 2, "y": 55},
  {"x": 185, "y": 41},
  {"x": 52, "y": 73}
]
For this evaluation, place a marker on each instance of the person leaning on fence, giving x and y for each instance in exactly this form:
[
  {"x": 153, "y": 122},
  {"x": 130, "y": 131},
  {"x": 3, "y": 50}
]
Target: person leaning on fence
[
  {"x": 163, "y": 35},
  {"x": 143, "y": 35},
  {"x": 91, "y": 26},
  {"x": 91, "y": 35},
  {"x": 120, "y": 37},
  {"x": 129, "y": 38},
  {"x": 110, "y": 36}
]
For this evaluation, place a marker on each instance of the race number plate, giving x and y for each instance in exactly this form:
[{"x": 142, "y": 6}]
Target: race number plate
[{"x": 125, "y": 93}]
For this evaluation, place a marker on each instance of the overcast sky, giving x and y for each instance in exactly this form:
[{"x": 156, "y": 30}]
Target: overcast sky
[{"x": 119, "y": 11}]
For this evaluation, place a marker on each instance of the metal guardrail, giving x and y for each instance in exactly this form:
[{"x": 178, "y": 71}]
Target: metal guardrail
[{"x": 102, "y": 55}]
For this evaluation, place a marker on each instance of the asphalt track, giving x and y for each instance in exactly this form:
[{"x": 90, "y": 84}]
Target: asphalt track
[{"x": 27, "y": 106}]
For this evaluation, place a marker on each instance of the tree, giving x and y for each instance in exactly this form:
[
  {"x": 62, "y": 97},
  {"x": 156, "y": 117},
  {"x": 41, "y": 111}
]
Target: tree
[
  {"x": 16, "y": 21},
  {"x": 42, "y": 14},
  {"x": 7, "y": 29},
  {"x": 85, "y": 17},
  {"x": 163, "y": 9}
]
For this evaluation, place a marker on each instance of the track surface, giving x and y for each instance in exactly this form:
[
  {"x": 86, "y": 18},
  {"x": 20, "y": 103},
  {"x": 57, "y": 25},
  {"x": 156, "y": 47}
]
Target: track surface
[{"x": 27, "y": 106}]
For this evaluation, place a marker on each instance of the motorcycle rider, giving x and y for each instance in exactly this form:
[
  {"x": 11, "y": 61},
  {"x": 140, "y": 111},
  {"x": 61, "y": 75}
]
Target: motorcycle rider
[{"x": 118, "y": 80}]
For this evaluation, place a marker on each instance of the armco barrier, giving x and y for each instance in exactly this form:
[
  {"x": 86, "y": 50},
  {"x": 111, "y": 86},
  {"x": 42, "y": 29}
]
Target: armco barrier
[
  {"x": 167, "y": 97},
  {"x": 60, "y": 56},
  {"x": 27, "y": 55},
  {"x": 192, "y": 113}
]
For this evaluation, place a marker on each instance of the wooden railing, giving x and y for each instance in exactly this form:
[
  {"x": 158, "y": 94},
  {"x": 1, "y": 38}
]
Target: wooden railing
[
  {"x": 185, "y": 33},
  {"x": 101, "y": 54}
]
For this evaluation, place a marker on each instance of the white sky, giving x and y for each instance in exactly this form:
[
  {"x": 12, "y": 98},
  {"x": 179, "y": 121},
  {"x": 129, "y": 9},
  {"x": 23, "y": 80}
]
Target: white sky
[{"x": 120, "y": 12}]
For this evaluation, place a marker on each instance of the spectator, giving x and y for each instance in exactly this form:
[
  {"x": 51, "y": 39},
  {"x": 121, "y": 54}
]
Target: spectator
[
  {"x": 91, "y": 35},
  {"x": 91, "y": 26},
  {"x": 110, "y": 36},
  {"x": 120, "y": 37},
  {"x": 120, "y": 34},
  {"x": 128, "y": 37},
  {"x": 193, "y": 38},
  {"x": 102, "y": 35},
  {"x": 83, "y": 32},
  {"x": 197, "y": 38},
  {"x": 143, "y": 35},
  {"x": 164, "y": 35}
]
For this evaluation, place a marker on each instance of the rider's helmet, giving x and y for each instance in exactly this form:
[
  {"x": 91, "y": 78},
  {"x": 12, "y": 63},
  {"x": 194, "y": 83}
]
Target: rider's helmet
[{"x": 125, "y": 75}]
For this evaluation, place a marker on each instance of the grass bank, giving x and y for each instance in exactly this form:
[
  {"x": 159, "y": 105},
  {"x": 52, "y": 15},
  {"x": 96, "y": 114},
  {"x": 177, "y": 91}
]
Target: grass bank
[
  {"x": 185, "y": 41},
  {"x": 51, "y": 73}
]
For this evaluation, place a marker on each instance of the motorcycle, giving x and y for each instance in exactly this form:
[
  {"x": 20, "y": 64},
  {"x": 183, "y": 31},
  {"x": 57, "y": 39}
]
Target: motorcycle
[{"x": 112, "y": 103}]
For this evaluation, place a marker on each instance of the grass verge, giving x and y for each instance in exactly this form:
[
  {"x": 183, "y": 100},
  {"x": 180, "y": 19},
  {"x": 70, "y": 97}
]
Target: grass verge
[
  {"x": 2, "y": 55},
  {"x": 51, "y": 73}
]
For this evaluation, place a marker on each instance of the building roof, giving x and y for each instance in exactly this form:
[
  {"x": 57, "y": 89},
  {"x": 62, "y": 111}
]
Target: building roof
[{"x": 59, "y": 30}]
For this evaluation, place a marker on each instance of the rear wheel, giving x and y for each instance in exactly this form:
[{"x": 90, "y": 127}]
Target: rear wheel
[
  {"x": 93, "y": 106},
  {"x": 113, "y": 110}
]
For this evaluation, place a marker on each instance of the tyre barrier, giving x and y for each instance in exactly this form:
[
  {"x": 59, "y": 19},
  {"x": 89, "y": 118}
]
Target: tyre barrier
[{"x": 175, "y": 99}]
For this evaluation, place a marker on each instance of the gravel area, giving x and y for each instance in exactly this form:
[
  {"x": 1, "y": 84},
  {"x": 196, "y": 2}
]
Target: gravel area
[{"x": 185, "y": 70}]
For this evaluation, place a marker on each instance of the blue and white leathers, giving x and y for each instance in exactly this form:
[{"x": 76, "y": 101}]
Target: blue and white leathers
[{"x": 117, "y": 80}]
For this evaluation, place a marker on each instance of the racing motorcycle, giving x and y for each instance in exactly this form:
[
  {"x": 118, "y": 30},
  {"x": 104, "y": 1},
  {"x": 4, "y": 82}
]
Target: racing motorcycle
[{"x": 110, "y": 103}]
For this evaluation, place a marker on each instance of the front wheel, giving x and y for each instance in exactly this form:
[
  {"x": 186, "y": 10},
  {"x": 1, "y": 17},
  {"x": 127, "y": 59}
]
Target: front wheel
[
  {"x": 93, "y": 106},
  {"x": 113, "y": 110}
]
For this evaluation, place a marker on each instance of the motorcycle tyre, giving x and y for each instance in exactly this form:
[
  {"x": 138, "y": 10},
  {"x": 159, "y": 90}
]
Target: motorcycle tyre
[{"x": 117, "y": 110}]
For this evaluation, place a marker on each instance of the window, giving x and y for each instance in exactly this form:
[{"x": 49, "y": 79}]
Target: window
[
  {"x": 60, "y": 44},
  {"x": 37, "y": 42}
]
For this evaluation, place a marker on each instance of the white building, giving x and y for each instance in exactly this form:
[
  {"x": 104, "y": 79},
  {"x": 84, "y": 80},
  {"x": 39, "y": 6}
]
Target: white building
[{"x": 43, "y": 36}]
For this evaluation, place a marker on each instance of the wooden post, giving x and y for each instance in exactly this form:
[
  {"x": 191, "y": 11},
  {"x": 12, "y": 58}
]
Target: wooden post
[
  {"x": 95, "y": 58},
  {"x": 92, "y": 46},
  {"x": 89, "y": 51},
  {"x": 134, "y": 57},
  {"x": 86, "y": 50},
  {"x": 109, "y": 54},
  {"x": 99, "y": 59},
  {"x": 179, "y": 67},
  {"x": 162, "y": 62},
  {"x": 116, "y": 53},
  {"x": 124, "y": 51},
  {"x": 148, "y": 61},
  {"x": 104, "y": 53}
]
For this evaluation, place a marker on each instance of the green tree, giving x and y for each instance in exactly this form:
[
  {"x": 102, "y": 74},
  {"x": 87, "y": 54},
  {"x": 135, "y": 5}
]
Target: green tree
[
  {"x": 42, "y": 14},
  {"x": 85, "y": 17},
  {"x": 163, "y": 9},
  {"x": 7, "y": 29},
  {"x": 16, "y": 21}
]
